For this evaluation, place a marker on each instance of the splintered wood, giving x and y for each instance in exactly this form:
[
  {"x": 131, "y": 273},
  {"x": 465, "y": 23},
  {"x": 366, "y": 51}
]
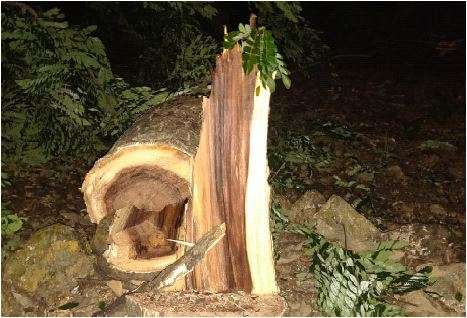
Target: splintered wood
[
  {"x": 220, "y": 175},
  {"x": 187, "y": 262},
  {"x": 220, "y": 180}
]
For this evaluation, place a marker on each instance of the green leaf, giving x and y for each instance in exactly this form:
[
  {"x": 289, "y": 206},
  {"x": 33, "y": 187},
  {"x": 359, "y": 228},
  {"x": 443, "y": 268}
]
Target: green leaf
[
  {"x": 101, "y": 305},
  {"x": 286, "y": 81},
  {"x": 260, "y": 50},
  {"x": 69, "y": 305},
  {"x": 90, "y": 29}
]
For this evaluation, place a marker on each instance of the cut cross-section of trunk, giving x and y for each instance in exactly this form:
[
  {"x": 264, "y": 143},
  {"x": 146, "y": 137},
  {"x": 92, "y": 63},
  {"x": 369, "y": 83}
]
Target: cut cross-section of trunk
[{"x": 146, "y": 179}]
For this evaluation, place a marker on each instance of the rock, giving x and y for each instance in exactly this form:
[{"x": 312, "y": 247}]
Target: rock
[
  {"x": 396, "y": 174},
  {"x": 299, "y": 309},
  {"x": 435, "y": 244},
  {"x": 116, "y": 286},
  {"x": 438, "y": 211},
  {"x": 283, "y": 201},
  {"x": 47, "y": 267},
  {"x": 418, "y": 304},
  {"x": 450, "y": 284},
  {"x": 338, "y": 221},
  {"x": 304, "y": 209}
]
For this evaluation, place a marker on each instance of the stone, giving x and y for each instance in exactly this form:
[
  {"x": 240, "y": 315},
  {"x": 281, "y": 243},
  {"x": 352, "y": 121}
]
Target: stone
[
  {"x": 435, "y": 244},
  {"x": 304, "y": 209},
  {"x": 338, "y": 221},
  {"x": 438, "y": 211},
  {"x": 395, "y": 173},
  {"x": 450, "y": 284},
  {"x": 47, "y": 267},
  {"x": 418, "y": 304},
  {"x": 283, "y": 201},
  {"x": 299, "y": 309},
  {"x": 116, "y": 286}
]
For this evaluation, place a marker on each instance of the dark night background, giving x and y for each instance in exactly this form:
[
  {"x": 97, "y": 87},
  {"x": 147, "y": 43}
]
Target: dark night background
[{"x": 387, "y": 32}]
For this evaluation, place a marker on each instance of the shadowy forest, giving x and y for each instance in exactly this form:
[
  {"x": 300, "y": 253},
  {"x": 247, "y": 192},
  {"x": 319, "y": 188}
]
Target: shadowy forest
[{"x": 366, "y": 127}]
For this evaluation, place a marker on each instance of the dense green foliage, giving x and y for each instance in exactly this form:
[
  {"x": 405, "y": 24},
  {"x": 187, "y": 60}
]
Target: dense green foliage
[
  {"x": 61, "y": 97},
  {"x": 162, "y": 43},
  {"x": 59, "y": 93},
  {"x": 11, "y": 222},
  {"x": 301, "y": 44}
]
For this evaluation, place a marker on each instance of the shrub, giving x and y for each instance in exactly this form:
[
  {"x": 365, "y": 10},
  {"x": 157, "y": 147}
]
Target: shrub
[{"x": 60, "y": 96}]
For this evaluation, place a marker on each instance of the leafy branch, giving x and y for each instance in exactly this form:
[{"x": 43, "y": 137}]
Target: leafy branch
[
  {"x": 259, "y": 49},
  {"x": 350, "y": 284}
]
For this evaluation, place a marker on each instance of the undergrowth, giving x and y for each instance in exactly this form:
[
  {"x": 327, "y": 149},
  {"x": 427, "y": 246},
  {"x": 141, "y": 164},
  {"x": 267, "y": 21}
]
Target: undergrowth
[
  {"x": 351, "y": 284},
  {"x": 11, "y": 222},
  {"x": 59, "y": 95}
]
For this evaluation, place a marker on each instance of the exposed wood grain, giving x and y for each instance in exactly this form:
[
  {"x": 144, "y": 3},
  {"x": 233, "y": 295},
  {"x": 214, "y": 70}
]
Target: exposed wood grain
[
  {"x": 186, "y": 263},
  {"x": 257, "y": 199},
  {"x": 220, "y": 174}
]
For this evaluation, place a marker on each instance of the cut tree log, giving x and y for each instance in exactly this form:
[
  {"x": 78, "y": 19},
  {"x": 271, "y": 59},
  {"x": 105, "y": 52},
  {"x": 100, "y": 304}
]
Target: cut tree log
[
  {"x": 184, "y": 174},
  {"x": 152, "y": 161},
  {"x": 150, "y": 168}
]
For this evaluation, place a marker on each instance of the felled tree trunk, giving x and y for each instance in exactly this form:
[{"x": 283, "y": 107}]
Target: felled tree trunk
[
  {"x": 176, "y": 174},
  {"x": 148, "y": 170}
]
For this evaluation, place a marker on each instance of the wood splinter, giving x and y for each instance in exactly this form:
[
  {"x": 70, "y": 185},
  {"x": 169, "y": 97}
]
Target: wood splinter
[
  {"x": 185, "y": 264},
  {"x": 179, "y": 269}
]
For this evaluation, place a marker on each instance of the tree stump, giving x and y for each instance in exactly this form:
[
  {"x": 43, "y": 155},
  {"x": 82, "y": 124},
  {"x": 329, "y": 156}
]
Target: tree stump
[{"x": 183, "y": 168}]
